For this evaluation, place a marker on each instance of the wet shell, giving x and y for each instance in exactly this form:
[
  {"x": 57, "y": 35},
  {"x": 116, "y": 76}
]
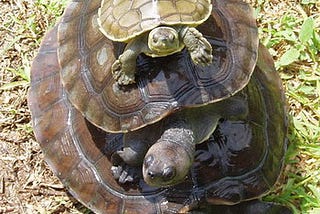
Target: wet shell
[{"x": 165, "y": 84}]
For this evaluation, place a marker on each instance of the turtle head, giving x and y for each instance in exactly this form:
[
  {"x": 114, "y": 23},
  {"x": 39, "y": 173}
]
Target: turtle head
[
  {"x": 164, "y": 41},
  {"x": 166, "y": 164}
]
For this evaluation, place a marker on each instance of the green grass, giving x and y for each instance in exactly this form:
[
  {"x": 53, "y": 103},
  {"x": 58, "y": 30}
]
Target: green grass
[
  {"x": 290, "y": 30},
  {"x": 292, "y": 36},
  {"x": 28, "y": 27}
]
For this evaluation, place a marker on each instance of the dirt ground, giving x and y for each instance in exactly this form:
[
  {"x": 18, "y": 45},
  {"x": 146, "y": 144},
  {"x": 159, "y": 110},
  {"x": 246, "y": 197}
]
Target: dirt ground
[{"x": 27, "y": 185}]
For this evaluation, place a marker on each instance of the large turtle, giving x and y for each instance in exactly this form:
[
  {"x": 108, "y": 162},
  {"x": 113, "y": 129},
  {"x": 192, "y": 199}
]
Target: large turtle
[
  {"x": 156, "y": 28},
  {"x": 240, "y": 161},
  {"x": 86, "y": 58}
]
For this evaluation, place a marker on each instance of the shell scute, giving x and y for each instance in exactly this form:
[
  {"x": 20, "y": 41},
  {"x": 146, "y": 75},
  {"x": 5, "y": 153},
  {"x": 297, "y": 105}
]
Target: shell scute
[
  {"x": 187, "y": 7},
  {"x": 103, "y": 165},
  {"x": 74, "y": 9},
  {"x": 243, "y": 29},
  {"x": 103, "y": 199},
  {"x": 154, "y": 111},
  {"x": 147, "y": 11},
  {"x": 172, "y": 18},
  {"x": 77, "y": 93},
  {"x": 81, "y": 180},
  {"x": 60, "y": 152},
  {"x": 69, "y": 71},
  {"x": 126, "y": 122},
  {"x": 43, "y": 87},
  {"x": 47, "y": 132},
  {"x": 100, "y": 57},
  {"x": 111, "y": 120},
  {"x": 67, "y": 53},
  {"x": 136, "y": 207},
  {"x": 167, "y": 9},
  {"x": 47, "y": 92},
  {"x": 95, "y": 110},
  {"x": 126, "y": 20},
  {"x": 120, "y": 8},
  {"x": 92, "y": 33},
  {"x": 122, "y": 101}
]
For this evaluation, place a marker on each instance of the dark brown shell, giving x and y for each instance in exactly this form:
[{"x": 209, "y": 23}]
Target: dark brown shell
[
  {"x": 164, "y": 85},
  {"x": 240, "y": 161}
]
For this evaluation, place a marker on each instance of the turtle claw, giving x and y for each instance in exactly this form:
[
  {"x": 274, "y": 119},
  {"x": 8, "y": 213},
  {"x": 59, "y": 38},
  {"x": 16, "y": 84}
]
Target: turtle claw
[
  {"x": 201, "y": 54},
  {"x": 198, "y": 46},
  {"x": 202, "y": 60},
  {"x": 124, "y": 173},
  {"x": 122, "y": 74},
  {"x": 116, "y": 171}
]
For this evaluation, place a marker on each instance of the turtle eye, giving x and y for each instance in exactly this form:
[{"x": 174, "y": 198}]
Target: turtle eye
[
  {"x": 148, "y": 161},
  {"x": 168, "y": 173},
  {"x": 155, "y": 38},
  {"x": 171, "y": 37}
]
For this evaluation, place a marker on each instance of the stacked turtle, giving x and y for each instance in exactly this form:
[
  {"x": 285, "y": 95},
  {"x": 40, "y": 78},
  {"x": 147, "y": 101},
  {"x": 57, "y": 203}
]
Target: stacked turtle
[{"x": 159, "y": 106}]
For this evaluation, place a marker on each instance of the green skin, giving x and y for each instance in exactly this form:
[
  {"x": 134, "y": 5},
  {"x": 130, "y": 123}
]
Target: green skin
[
  {"x": 161, "y": 41},
  {"x": 166, "y": 149}
]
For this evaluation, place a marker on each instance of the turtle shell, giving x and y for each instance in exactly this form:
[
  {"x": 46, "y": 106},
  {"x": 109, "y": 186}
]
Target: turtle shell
[
  {"x": 240, "y": 161},
  {"x": 164, "y": 84},
  {"x": 123, "y": 20}
]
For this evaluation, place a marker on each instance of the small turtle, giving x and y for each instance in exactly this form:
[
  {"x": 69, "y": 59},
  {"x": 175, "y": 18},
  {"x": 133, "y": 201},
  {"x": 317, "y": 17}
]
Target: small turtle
[{"x": 156, "y": 28}]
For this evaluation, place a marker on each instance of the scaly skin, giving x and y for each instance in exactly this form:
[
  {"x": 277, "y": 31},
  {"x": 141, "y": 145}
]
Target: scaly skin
[
  {"x": 167, "y": 148},
  {"x": 199, "y": 48},
  {"x": 161, "y": 41}
]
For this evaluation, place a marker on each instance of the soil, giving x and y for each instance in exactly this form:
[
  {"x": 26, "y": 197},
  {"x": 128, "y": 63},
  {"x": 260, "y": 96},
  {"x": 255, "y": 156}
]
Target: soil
[{"x": 27, "y": 185}]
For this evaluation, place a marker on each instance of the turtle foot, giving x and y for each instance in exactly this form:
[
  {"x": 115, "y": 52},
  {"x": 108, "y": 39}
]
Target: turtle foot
[
  {"x": 122, "y": 170},
  {"x": 124, "y": 173},
  {"x": 124, "y": 75},
  {"x": 202, "y": 53},
  {"x": 199, "y": 48}
]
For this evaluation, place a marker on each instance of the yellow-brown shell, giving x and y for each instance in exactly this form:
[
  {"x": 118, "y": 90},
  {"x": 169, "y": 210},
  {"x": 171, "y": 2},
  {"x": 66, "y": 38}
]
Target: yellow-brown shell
[{"x": 122, "y": 20}]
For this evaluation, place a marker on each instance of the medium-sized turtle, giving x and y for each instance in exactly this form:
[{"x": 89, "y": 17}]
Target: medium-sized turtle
[
  {"x": 164, "y": 85},
  {"x": 156, "y": 28}
]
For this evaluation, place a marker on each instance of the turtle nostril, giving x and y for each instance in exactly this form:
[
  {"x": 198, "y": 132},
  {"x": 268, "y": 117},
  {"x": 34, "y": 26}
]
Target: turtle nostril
[
  {"x": 164, "y": 40},
  {"x": 151, "y": 174},
  {"x": 171, "y": 38}
]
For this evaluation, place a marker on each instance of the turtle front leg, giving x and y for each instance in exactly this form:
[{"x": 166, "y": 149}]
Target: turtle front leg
[
  {"x": 127, "y": 163},
  {"x": 123, "y": 69},
  {"x": 199, "y": 48}
]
